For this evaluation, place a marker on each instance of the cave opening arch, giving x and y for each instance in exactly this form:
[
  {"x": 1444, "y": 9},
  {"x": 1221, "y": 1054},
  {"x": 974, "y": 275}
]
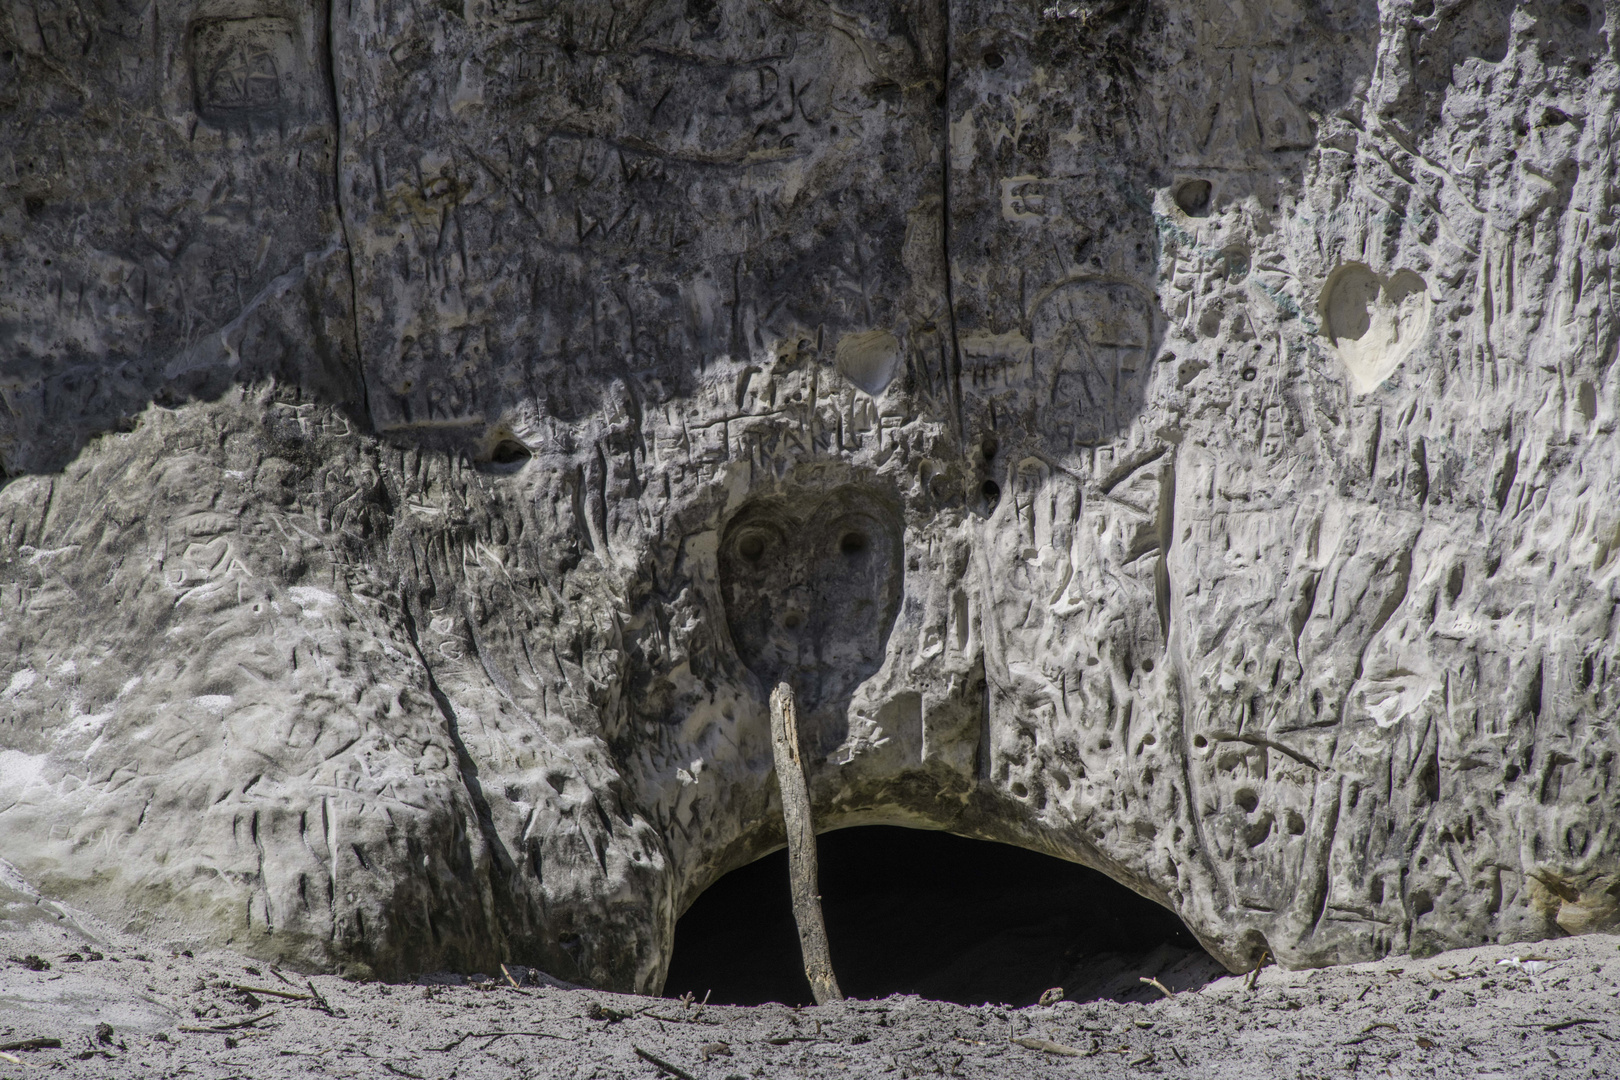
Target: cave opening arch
[{"x": 913, "y": 911}]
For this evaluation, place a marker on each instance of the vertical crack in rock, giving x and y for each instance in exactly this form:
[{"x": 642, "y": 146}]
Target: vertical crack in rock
[
  {"x": 1178, "y": 667},
  {"x": 501, "y": 863},
  {"x": 1315, "y": 872},
  {"x": 338, "y": 140},
  {"x": 1163, "y": 592},
  {"x": 953, "y": 374}
]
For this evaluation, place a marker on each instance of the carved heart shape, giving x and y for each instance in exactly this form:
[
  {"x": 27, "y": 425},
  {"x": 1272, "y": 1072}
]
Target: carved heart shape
[
  {"x": 1373, "y": 321},
  {"x": 870, "y": 360},
  {"x": 811, "y": 585},
  {"x": 207, "y": 556}
]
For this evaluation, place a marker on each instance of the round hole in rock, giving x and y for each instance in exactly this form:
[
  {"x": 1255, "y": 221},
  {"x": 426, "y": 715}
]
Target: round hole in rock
[
  {"x": 852, "y": 543},
  {"x": 992, "y": 493},
  {"x": 916, "y": 912},
  {"x": 1193, "y": 198},
  {"x": 793, "y": 620},
  {"x": 509, "y": 452},
  {"x": 751, "y": 547}
]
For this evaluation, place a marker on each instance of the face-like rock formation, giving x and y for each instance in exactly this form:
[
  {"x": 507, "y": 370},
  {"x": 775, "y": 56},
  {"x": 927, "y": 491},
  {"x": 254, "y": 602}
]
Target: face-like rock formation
[
  {"x": 811, "y": 599},
  {"x": 1175, "y": 435}
]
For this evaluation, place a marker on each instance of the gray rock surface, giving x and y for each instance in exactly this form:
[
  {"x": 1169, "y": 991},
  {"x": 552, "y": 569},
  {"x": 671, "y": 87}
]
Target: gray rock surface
[{"x": 1175, "y": 436}]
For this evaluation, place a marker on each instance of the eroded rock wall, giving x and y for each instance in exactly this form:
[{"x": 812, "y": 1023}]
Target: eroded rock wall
[{"x": 1179, "y": 437}]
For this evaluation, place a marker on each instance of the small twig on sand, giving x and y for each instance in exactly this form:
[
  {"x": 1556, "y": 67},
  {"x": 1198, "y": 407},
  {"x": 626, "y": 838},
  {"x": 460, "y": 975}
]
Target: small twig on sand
[
  {"x": 1163, "y": 989},
  {"x": 1254, "y": 976},
  {"x": 801, "y": 844},
  {"x": 1562, "y": 1024},
  {"x": 232, "y": 1026},
  {"x": 1179, "y": 1058},
  {"x": 33, "y": 1044},
  {"x": 1366, "y": 1033},
  {"x": 289, "y": 995},
  {"x": 492, "y": 1036},
  {"x": 653, "y": 1059},
  {"x": 694, "y": 1019},
  {"x": 1029, "y": 1042},
  {"x": 17, "y": 1061},
  {"x": 320, "y": 1002}
]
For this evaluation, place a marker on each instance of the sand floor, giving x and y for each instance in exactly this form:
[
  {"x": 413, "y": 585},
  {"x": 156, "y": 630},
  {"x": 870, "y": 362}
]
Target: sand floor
[{"x": 112, "y": 1005}]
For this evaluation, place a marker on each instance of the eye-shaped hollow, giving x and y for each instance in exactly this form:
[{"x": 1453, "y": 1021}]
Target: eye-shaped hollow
[
  {"x": 510, "y": 452},
  {"x": 854, "y": 542},
  {"x": 751, "y": 545}
]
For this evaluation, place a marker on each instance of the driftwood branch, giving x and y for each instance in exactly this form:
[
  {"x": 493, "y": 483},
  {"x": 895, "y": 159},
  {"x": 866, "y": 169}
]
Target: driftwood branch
[{"x": 801, "y": 843}]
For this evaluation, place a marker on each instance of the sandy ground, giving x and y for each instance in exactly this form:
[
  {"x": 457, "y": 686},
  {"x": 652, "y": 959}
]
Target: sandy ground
[{"x": 122, "y": 1007}]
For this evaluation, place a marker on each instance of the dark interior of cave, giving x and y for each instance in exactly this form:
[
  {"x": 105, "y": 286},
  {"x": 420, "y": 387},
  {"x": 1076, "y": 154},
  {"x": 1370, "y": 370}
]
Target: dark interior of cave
[{"x": 916, "y": 912}]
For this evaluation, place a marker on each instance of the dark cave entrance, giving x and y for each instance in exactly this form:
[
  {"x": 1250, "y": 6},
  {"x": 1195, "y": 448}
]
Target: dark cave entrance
[{"x": 916, "y": 912}]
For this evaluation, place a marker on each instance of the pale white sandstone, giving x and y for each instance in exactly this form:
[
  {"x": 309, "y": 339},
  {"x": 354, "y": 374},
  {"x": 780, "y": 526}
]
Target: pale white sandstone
[{"x": 1175, "y": 436}]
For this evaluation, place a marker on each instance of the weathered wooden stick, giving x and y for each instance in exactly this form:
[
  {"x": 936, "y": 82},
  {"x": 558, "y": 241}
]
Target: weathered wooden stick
[{"x": 801, "y": 843}]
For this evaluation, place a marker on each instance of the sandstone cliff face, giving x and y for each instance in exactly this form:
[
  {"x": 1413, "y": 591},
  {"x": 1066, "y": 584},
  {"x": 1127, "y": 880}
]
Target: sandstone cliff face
[{"x": 1175, "y": 436}]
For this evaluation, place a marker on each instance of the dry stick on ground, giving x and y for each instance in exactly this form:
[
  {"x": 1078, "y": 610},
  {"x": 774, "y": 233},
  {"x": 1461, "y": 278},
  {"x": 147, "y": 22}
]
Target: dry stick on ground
[
  {"x": 801, "y": 843},
  {"x": 271, "y": 993},
  {"x": 211, "y": 1028},
  {"x": 33, "y": 1044},
  {"x": 320, "y": 1002},
  {"x": 1163, "y": 989},
  {"x": 1254, "y": 976},
  {"x": 679, "y": 1019},
  {"x": 1561, "y": 1025},
  {"x": 653, "y": 1059},
  {"x": 1047, "y": 1046},
  {"x": 492, "y": 1036}
]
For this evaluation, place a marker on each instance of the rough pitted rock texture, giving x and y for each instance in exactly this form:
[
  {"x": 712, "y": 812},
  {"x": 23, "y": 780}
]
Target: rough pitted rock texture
[{"x": 1178, "y": 436}]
